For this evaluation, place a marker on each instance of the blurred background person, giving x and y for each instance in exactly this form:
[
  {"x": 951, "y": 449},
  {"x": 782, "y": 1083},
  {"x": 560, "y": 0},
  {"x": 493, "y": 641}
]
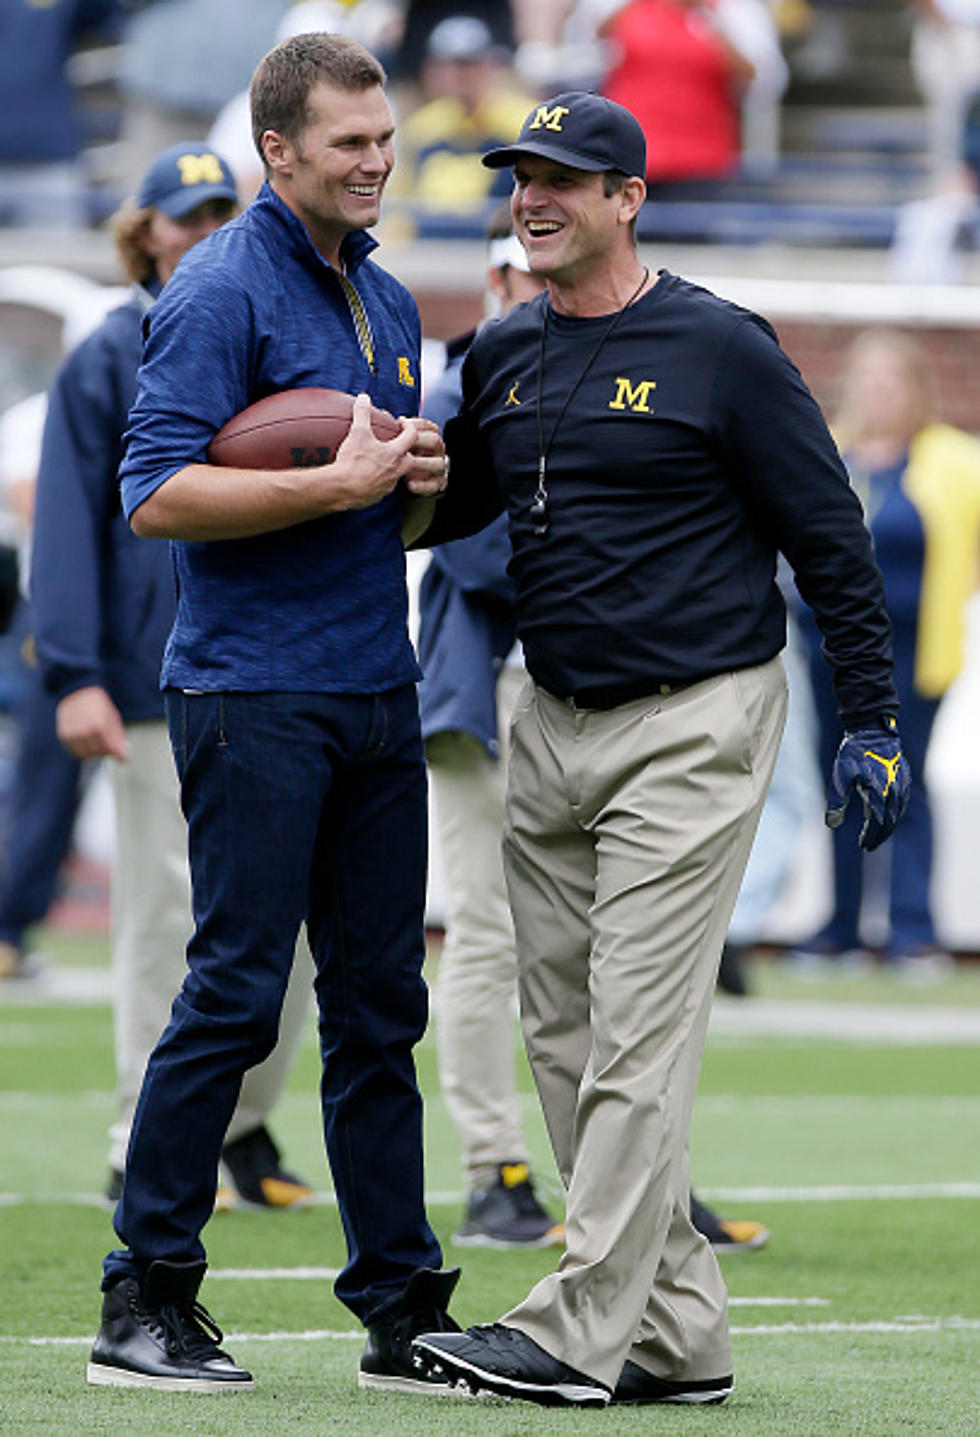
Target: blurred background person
[
  {"x": 933, "y": 234},
  {"x": 919, "y": 481},
  {"x": 471, "y": 102},
  {"x": 45, "y": 781},
  {"x": 41, "y": 178},
  {"x": 467, "y": 638},
  {"x": 683, "y": 67},
  {"x": 182, "y": 60},
  {"x": 104, "y": 604},
  {"x": 945, "y": 56},
  {"x": 418, "y": 20}
]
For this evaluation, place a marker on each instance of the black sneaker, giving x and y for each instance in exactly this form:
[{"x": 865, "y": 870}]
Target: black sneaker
[
  {"x": 257, "y": 1176},
  {"x": 728, "y": 1234},
  {"x": 639, "y": 1387},
  {"x": 155, "y": 1333},
  {"x": 388, "y": 1361},
  {"x": 731, "y": 972},
  {"x": 508, "y": 1214},
  {"x": 504, "y": 1360}
]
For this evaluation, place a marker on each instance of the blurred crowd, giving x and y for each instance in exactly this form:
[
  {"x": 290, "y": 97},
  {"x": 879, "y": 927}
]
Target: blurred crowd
[{"x": 92, "y": 89}]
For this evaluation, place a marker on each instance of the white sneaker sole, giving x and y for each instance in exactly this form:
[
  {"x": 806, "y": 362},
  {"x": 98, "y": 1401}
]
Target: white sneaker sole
[
  {"x": 378, "y": 1382},
  {"x": 98, "y": 1376},
  {"x": 504, "y": 1244}
]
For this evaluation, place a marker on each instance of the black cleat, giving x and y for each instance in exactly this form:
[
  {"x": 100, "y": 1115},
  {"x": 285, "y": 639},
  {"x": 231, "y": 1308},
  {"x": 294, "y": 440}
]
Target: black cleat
[
  {"x": 388, "y": 1362},
  {"x": 638, "y": 1387},
  {"x": 506, "y": 1361},
  {"x": 155, "y": 1333}
]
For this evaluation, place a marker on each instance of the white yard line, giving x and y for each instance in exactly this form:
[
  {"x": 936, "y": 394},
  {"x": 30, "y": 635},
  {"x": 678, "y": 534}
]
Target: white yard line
[
  {"x": 898, "y": 1326},
  {"x": 871, "y": 1192},
  {"x": 274, "y": 1274},
  {"x": 880, "y": 1192},
  {"x": 885, "y": 1023},
  {"x": 855, "y": 1022}
]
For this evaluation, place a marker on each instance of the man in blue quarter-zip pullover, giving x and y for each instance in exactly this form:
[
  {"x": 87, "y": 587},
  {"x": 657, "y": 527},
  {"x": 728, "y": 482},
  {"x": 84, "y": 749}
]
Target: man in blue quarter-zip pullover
[
  {"x": 103, "y": 604},
  {"x": 290, "y": 692}
]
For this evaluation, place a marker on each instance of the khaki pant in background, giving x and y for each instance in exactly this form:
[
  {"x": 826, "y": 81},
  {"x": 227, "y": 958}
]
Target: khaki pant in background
[
  {"x": 476, "y": 991},
  {"x": 627, "y": 835}
]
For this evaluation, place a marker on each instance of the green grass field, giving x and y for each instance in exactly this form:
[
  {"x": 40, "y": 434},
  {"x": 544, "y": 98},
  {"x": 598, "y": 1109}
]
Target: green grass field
[{"x": 843, "y": 1114}]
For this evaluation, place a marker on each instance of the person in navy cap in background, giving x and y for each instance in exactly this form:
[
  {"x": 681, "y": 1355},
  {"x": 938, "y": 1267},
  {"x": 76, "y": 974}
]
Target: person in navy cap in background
[
  {"x": 104, "y": 604},
  {"x": 653, "y": 448}
]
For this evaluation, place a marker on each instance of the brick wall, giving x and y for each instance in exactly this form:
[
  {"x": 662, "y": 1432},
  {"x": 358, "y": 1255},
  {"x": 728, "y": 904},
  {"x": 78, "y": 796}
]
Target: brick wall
[
  {"x": 818, "y": 348},
  {"x": 816, "y": 345}
]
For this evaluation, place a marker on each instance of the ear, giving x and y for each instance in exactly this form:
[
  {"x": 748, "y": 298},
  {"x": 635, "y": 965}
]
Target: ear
[
  {"x": 631, "y": 197},
  {"x": 279, "y": 153},
  {"x": 497, "y": 283}
]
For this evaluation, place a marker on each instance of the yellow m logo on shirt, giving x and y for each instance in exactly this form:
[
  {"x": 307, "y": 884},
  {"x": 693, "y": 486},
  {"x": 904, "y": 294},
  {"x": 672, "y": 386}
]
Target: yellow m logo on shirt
[
  {"x": 545, "y": 119},
  {"x": 200, "y": 170},
  {"x": 405, "y": 375},
  {"x": 633, "y": 396}
]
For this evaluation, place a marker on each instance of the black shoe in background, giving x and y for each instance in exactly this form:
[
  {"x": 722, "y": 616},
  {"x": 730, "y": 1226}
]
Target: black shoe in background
[
  {"x": 637, "y": 1387},
  {"x": 507, "y": 1214},
  {"x": 114, "y": 1186},
  {"x": 259, "y": 1180},
  {"x": 728, "y": 1234},
  {"x": 387, "y": 1362},
  {"x": 731, "y": 974},
  {"x": 155, "y": 1333}
]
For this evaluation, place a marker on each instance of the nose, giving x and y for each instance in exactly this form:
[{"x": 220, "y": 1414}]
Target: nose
[
  {"x": 530, "y": 195},
  {"x": 376, "y": 159}
]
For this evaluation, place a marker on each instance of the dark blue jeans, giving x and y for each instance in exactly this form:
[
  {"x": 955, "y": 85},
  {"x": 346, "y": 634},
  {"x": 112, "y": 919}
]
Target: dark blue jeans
[
  {"x": 905, "y": 861},
  {"x": 42, "y": 804},
  {"x": 299, "y": 807}
]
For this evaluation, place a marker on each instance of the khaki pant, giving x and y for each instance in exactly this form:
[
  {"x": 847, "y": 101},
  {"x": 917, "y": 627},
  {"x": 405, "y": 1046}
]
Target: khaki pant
[
  {"x": 151, "y": 923},
  {"x": 476, "y": 993},
  {"x": 626, "y": 838}
]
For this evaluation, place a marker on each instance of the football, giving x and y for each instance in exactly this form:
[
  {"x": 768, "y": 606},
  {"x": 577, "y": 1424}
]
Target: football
[{"x": 297, "y": 428}]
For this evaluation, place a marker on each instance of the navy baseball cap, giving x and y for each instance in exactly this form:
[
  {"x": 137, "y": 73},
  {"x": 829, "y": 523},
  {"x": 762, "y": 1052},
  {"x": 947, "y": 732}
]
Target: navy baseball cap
[
  {"x": 183, "y": 177},
  {"x": 585, "y": 131}
]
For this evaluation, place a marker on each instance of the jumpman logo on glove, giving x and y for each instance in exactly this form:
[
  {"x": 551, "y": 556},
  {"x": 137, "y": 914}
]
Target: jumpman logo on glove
[{"x": 870, "y": 763}]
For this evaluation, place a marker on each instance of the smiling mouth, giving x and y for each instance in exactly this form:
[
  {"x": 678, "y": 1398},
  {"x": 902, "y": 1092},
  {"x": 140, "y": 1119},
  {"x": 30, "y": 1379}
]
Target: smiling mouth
[
  {"x": 364, "y": 192},
  {"x": 541, "y": 229}
]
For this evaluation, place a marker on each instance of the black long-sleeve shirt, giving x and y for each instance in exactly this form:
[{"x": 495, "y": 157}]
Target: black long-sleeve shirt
[{"x": 688, "y": 455}]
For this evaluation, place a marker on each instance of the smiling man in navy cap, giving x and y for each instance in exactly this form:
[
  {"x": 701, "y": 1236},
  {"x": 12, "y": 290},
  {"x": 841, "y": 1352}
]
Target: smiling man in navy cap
[{"x": 653, "y": 448}]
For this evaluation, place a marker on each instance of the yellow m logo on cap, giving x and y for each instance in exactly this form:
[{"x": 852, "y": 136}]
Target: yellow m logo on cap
[
  {"x": 545, "y": 119},
  {"x": 200, "y": 170}
]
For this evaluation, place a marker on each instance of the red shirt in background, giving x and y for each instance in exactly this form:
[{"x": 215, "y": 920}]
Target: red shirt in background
[{"x": 674, "y": 75}]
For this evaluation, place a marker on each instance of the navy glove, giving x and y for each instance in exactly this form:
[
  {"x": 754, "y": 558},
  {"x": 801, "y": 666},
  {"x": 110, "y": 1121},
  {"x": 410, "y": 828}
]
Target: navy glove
[{"x": 870, "y": 761}]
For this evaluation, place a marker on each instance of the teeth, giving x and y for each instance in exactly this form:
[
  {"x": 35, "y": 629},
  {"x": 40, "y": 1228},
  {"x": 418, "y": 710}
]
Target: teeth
[{"x": 543, "y": 227}]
